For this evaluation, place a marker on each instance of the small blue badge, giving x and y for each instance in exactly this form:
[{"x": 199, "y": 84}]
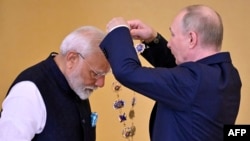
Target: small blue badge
[
  {"x": 94, "y": 117},
  {"x": 140, "y": 48}
]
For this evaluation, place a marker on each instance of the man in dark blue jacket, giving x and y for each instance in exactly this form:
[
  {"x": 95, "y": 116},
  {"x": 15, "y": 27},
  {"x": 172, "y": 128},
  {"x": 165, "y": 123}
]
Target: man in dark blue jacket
[{"x": 195, "y": 85}]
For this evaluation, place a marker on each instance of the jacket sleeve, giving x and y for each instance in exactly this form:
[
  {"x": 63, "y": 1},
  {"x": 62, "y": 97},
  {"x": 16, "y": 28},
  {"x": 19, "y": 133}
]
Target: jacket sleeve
[
  {"x": 160, "y": 84},
  {"x": 158, "y": 54}
]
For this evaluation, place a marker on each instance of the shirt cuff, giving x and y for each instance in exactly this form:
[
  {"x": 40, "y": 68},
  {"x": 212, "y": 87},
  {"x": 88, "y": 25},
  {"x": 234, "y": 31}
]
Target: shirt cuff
[{"x": 118, "y": 27}]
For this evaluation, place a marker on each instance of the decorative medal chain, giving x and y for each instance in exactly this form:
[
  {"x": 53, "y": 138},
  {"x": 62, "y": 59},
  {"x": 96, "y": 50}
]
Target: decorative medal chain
[{"x": 128, "y": 131}]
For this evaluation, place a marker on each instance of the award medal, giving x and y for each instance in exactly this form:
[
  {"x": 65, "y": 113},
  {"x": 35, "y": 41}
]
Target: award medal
[{"x": 128, "y": 131}]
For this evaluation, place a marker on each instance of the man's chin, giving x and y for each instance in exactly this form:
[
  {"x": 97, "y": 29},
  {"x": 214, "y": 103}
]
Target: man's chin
[
  {"x": 88, "y": 91},
  {"x": 85, "y": 95}
]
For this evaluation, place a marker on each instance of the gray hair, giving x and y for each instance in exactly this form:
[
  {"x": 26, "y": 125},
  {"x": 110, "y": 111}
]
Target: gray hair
[
  {"x": 206, "y": 22},
  {"x": 84, "y": 40}
]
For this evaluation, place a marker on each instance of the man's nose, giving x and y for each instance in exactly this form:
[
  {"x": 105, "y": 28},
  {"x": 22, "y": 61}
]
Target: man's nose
[{"x": 100, "y": 81}]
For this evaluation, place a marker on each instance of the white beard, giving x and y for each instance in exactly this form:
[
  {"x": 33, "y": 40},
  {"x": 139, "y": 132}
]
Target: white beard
[{"x": 77, "y": 85}]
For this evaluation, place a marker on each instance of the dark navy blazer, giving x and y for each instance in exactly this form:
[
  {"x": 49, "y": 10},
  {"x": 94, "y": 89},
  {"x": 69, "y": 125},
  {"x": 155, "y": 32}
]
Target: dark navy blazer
[{"x": 193, "y": 100}]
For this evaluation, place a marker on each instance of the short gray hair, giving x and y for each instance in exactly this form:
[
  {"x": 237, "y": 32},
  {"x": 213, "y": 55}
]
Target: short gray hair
[
  {"x": 206, "y": 22},
  {"x": 84, "y": 40}
]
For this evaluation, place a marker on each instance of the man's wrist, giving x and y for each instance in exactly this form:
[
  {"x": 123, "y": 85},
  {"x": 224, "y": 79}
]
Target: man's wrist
[{"x": 155, "y": 40}]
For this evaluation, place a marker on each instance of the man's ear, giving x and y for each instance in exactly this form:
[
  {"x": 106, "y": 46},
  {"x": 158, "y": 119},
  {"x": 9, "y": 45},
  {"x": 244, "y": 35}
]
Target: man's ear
[
  {"x": 71, "y": 59},
  {"x": 193, "y": 39}
]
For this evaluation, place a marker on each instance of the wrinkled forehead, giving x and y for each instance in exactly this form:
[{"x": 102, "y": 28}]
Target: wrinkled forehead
[
  {"x": 176, "y": 24},
  {"x": 96, "y": 54},
  {"x": 98, "y": 61},
  {"x": 179, "y": 17}
]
